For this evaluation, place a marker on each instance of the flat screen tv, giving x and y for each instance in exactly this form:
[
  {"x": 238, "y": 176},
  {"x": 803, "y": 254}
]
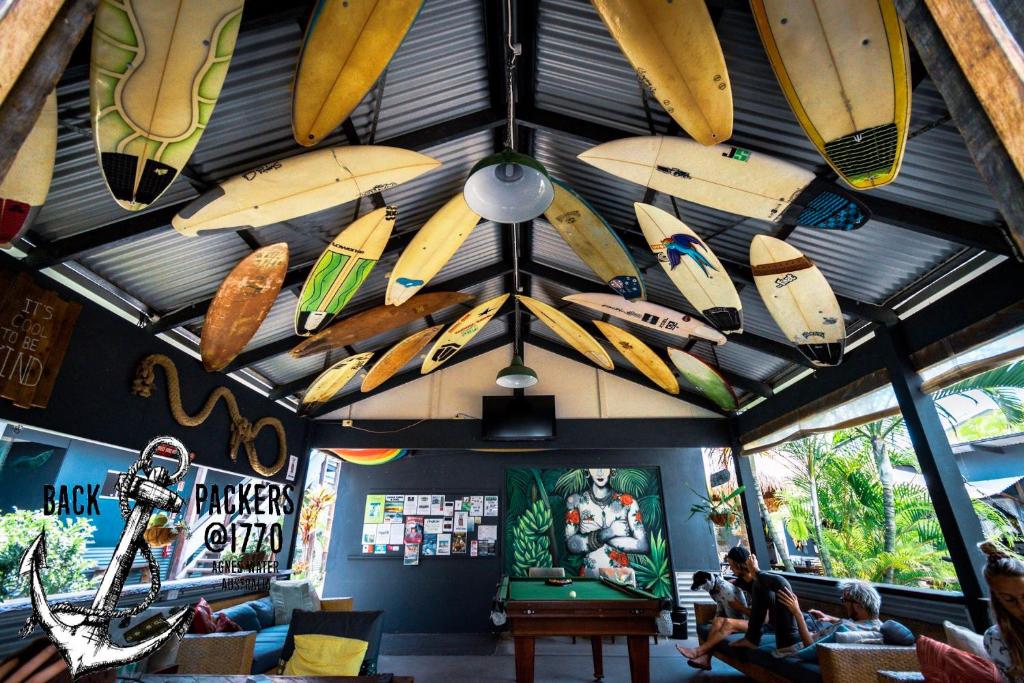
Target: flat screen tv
[{"x": 518, "y": 418}]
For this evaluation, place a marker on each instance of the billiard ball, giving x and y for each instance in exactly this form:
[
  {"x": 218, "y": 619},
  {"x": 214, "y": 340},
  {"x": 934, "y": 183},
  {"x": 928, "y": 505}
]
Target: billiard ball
[{"x": 572, "y": 594}]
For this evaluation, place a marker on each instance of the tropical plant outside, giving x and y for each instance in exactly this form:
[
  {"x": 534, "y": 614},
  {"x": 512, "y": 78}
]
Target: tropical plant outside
[{"x": 66, "y": 542}]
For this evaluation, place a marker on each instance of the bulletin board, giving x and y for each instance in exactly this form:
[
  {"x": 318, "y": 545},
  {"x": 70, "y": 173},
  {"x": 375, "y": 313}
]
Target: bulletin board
[{"x": 417, "y": 527}]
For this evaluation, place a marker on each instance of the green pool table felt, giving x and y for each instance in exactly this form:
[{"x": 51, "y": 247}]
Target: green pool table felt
[{"x": 586, "y": 589}]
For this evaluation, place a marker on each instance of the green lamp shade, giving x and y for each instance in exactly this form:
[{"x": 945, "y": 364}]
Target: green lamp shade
[
  {"x": 516, "y": 375},
  {"x": 509, "y": 187}
]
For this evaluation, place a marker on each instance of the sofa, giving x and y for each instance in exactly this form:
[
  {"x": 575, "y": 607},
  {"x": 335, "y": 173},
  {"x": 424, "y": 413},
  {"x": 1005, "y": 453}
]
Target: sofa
[
  {"x": 836, "y": 663},
  {"x": 259, "y": 643}
]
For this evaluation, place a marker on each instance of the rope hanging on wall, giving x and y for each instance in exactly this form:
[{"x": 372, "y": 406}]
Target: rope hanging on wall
[{"x": 243, "y": 432}]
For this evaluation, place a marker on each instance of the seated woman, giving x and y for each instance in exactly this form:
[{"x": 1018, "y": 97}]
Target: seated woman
[
  {"x": 1004, "y": 641},
  {"x": 732, "y": 612}
]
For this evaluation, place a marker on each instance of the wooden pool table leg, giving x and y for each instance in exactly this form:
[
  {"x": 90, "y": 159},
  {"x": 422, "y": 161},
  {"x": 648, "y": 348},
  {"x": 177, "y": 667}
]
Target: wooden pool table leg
[
  {"x": 595, "y": 648},
  {"x": 524, "y": 659},
  {"x": 639, "y": 659}
]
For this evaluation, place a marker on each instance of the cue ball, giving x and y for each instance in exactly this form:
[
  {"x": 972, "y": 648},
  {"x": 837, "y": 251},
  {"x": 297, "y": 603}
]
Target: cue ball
[{"x": 572, "y": 594}]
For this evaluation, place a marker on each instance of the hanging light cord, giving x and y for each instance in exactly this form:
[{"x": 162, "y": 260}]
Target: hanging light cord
[{"x": 511, "y": 57}]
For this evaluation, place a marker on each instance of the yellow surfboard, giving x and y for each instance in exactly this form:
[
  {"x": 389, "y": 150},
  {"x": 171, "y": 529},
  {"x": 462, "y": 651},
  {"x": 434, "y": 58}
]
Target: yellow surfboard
[
  {"x": 799, "y": 298},
  {"x": 27, "y": 183},
  {"x": 845, "y": 69},
  {"x": 22, "y": 24},
  {"x": 460, "y": 333},
  {"x": 342, "y": 269},
  {"x": 692, "y": 266},
  {"x": 157, "y": 70},
  {"x": 430, "y": 249},
  {"x": 396, "y": 357},
  {"x": 300, "y": 185},
  {"x": 331, "y": 381},
  {"x": 570, "y": 331},
  {"x": 348, "y": 44},
  {"x": 594, "y": 241},
  {"x": 675, "y": 51},
  {"x": 641, "y": 356}
]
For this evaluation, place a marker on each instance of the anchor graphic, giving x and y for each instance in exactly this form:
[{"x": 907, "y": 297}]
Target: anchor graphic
[{"x": 82, "y": 634}]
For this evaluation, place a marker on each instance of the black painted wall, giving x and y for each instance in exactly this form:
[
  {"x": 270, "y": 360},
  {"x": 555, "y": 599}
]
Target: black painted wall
[{"x": 453, "y": 595}]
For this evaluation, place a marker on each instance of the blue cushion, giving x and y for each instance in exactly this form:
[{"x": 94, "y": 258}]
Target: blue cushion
[
  {"x": 895, "y": 633},
  {"x": 810, "y": 653},
  {"x": 267, "y": 651},
  {"x": 264, "y": 610},
  {"x": 243, "y": 615}
]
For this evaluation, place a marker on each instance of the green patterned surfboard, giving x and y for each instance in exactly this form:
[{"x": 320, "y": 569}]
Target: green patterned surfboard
[
  {"x": 341, "y": 270},
  {"x": 157, "y": 70}
]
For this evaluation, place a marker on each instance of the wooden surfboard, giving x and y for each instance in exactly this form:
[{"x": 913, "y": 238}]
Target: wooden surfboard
[
  {"x": 396, "y": 358},
  {"x": 799, "y": 299},
  {"x": 570, "y": 331},
  {"x": 348, "y": 44},
  {"x": 845, "y": 69},
  {"x": 675, "y": 51},
  {"x": 693, "y": 267},
  {"x": 341, "y": 270},
  {"x": 157, "y": 70},
  {"x": 241, "y": 303},
  {"x": 300, "y": 185},
  {"x": 378, "y": 320},
  {"x": 703, "y": 378},
  {"x": 22, "y": 25},
  {"x": 331, "y": 381},
  {"x": 640, "y": 355},
  {"x": 731, "y": 179},
  {"x": 649, "y": 315},
  {"x": 430, "y": 249},
  {"x": 27, "y": 183},
  {"x": 594, "y": 241},
  {"x": 460, "y": 333}
]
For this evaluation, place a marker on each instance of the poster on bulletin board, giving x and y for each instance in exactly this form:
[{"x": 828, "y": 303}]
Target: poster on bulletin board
[{"x": 411, "y": 526}]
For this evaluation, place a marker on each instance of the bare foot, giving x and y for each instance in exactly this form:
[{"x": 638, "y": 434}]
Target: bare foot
[
  {"x": 700, "y": 662},
  {"x": 688, "y": 652}
]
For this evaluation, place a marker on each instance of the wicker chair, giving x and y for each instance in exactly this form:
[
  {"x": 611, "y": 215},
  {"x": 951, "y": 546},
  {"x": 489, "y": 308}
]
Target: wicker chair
[{"x": 217, "y": 653}]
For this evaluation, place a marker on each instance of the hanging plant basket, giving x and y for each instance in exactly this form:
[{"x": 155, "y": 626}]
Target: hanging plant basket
[
  {"x": 722, "y": 519},
  {"x": 772, "y": 500},
  {"x": 162, "y": 536}
]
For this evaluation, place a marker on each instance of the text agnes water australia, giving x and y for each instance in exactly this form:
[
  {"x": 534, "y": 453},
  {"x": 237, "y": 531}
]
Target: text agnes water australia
[{"x": 244, "y": 501}]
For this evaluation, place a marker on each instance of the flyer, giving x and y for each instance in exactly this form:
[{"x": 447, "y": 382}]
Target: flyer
[
  {"x": 432, "y": 525},
  {"x": 394, "y": 548},
  {"x": 409, "y": 507},
  {"x": 369, "y": 533},
  {"x": 444, "y": 544},
  {"x": 449, "y": 509},
  {"x": 487, "y": 532},
  {"x": 423, "y": 504},
  {"x": 374, "y": 513},
  {"x": 413, "y": 529},
  {"x": 459, "y": 544},
  {"x": 368, "y": 548},
  {"x": 447, "y": 526},
  {"x": 397, "y": 533},
  {"x": 436, "y": 505},
  {"x": 394, "y": 504},
  {"x": 490, "y": 506},
  {"x": 467, "y": 505},
  {"x": 429, "y": 545},
  {"x": 383, "y": 534},
  {"x": 476, "y": 506},
  {"x": 486, "y": 548},
  {"x": 380, "y": 549},
  {"x": 461, "y": 519},
  {"x": 473, "y": 549},
  {"x": 412, "y": 554}
]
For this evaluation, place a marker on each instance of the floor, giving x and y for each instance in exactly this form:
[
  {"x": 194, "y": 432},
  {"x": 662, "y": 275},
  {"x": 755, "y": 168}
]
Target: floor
[{"x": 456, "y": 658}]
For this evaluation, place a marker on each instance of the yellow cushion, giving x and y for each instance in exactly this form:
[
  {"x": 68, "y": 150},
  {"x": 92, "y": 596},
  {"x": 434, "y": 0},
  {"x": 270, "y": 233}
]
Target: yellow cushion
[{"x": 318, "y": 655}]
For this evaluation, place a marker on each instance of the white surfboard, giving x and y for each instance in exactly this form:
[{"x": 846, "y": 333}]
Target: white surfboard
[
  {"x": 799, "y": 299},
  {"x": 693, "y": 267},
  {"x": 649, "y": 315}
]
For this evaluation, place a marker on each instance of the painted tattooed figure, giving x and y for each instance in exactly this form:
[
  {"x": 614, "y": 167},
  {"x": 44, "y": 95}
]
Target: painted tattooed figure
[{"x": 603, "y": 524}]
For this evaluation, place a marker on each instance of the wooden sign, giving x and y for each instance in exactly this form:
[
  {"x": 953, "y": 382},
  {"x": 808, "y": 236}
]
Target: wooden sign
[{"x": 35, "y": 330}]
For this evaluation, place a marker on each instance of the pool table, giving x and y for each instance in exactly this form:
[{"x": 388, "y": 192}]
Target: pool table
[{"x": 600, "y": 608}]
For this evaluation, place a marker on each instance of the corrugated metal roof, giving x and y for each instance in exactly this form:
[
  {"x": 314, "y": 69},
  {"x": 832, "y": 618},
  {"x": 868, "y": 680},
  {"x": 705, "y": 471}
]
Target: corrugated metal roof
[{"x": 440, "y": 74}]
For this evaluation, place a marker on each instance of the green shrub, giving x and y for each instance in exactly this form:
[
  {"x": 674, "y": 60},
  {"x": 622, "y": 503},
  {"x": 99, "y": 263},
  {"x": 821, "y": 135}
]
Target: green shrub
[{"x": 65, "y": 552}]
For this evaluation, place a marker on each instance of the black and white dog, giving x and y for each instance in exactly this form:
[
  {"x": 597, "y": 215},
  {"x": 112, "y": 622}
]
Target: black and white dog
[{"x": 722, "y": 592}]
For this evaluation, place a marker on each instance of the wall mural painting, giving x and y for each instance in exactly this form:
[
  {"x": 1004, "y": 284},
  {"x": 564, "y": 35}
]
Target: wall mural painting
[{"x": 588, "y": 519}]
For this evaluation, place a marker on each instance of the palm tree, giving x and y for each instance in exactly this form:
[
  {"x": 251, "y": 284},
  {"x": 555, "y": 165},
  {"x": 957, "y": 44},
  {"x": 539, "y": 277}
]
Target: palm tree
[
  {"x": 774, "y": 537},
  {"x": 804, "y": 458}
]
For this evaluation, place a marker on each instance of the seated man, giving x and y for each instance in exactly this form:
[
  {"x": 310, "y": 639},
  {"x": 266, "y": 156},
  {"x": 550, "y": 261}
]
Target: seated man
[
  {"x": 765, "y": 589},
  {"x": 861, "y": 602},
  {"x": 732, "y": 611}
]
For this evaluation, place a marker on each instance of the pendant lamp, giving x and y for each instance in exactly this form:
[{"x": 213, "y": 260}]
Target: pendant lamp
[
  {"x": 509, "y": 187},
  {"x": 516, "y": 375}
]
